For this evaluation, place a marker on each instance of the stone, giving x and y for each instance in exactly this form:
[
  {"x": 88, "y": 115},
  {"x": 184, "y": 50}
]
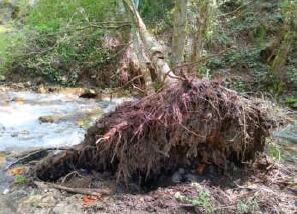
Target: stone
[
  {"x": 48, "y": 119},
  {"x": 176, "y": 177},
  {"x": 90, "y": 94},
  {"x": 6, "y": 191},
  {"x": 41, "y": 89}
]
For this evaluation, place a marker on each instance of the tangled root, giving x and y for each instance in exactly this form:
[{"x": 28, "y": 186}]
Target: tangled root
[{"x": 185, "y": 124}]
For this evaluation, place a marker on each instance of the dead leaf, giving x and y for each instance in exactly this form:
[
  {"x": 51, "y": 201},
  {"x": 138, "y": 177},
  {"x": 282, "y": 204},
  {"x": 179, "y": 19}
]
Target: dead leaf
[
  {"x": 88, "y": 199},
  {"x": 16, "y": 170}
]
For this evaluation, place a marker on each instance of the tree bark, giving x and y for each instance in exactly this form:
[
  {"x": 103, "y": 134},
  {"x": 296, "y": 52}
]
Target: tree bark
[
  {"x": 200, "y": 31},
  {"x": 179, "y": 31},
  {"x": 154, "y": 49}
]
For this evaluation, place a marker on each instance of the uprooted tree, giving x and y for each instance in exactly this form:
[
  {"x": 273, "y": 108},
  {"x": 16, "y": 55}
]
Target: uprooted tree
[{"x": 190, "y": 121}]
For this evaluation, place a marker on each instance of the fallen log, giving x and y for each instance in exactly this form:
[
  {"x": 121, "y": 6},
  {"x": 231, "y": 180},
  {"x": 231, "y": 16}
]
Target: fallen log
[{"x": 185, "y": 124}]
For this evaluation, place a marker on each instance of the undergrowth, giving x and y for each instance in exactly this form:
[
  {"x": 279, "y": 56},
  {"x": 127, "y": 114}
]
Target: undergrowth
[
  {"x": 201, "y": 200},
  {"x": 62, "y": 40},
  {"x": 250, "y": 36}
]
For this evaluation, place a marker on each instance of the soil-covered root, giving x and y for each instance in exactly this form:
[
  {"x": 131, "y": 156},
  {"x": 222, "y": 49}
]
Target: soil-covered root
[{"x": 185, "y": 124}]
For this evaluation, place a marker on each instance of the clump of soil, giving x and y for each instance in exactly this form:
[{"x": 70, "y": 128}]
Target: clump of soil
[{"x": 186, "y": 124}]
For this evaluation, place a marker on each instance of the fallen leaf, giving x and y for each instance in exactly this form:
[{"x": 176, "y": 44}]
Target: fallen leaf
[
  {"x": 16, "y": 170},
  {"x": 88, "y": 199}
]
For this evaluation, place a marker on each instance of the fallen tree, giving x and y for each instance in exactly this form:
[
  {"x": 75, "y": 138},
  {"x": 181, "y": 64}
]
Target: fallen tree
[{"x": 187, "y": 123}]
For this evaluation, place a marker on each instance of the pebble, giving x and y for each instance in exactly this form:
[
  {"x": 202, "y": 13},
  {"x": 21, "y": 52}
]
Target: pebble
[
  {"x": 176, "y": 178},
  {"x": 6, "y": 191}
]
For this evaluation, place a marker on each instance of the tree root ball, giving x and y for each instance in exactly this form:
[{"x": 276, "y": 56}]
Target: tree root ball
[{"x": 186, "y": 124}]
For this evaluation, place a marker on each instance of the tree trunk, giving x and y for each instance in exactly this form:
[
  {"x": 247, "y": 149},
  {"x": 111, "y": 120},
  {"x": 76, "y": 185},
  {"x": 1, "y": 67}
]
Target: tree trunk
[
  {"x": 157, "y": 58},
  {"x": 198, "y": 37},
  {"x": 179, "y": 31}
]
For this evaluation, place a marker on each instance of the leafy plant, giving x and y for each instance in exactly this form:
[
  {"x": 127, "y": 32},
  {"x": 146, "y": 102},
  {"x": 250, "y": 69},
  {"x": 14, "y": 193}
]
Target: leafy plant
[
  {"x": 19, "y": 179},
  {"x": 202, "y": 199},
  {"x": 249, "y": 206},
  {"x": 274, "y": 151},
  {"x": 60, "y": 40},
  {"x": 9, "y": 38}
]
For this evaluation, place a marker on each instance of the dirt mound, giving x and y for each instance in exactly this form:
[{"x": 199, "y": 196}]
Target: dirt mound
[{"x": 185, "y": 124}]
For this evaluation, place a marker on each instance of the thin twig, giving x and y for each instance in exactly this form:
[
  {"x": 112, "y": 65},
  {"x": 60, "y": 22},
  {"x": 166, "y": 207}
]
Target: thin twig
[
  {"x": 83, "y": 191},
  {"x": 70, "y": 174}
]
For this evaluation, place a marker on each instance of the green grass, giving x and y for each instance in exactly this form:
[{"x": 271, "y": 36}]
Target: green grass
[{"x": 202, "y": 199}]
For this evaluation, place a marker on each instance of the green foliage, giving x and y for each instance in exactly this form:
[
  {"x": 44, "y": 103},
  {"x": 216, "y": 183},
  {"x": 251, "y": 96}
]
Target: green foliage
[
  {"x": 202, "y": 199},
  {"x": 244, "y": 32},
  {"x": 154, "y": 11},
  {"x": 237, "y": 85},
  {"x": 61, "y": 40},
  {"x": 3, "y": 49},
  {"x": 58, "y": 41},
  {"x": 291, "y": 100},
  {"x": 274, "y": 151},
  {"x": 249, "y": 206},
  {"x": 19, "y": 179},
  {"x": 292, "y": 76},
  {"x": 51, "y": 15},
  {"x": 60, "y": 58},
  {"x": 8, "y": 39}
]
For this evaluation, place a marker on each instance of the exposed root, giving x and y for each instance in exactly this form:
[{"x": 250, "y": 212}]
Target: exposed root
[
  {"x": 183, "y": 125},
  {"x": 35, "y": 155}
]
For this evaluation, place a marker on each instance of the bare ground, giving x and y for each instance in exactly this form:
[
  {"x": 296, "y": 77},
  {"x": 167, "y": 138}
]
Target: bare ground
[{"x": 264, "y": 187}]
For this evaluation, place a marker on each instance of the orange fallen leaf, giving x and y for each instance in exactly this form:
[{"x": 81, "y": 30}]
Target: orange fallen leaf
[
  {"x": 200, "y": 168},
  {"x": 16, "y": 171},
  {"x": 88, "y": 199}
]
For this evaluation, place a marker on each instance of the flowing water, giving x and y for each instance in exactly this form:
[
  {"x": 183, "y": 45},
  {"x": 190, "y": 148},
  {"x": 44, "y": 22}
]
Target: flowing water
[{"x": 22, "y": 127}]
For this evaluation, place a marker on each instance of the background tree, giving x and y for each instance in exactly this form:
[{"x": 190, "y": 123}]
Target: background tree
[{"x": 179, "y": 31}]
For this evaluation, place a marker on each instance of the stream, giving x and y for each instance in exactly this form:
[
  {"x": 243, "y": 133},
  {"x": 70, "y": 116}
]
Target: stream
[{"x": 30, "y": 120}]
